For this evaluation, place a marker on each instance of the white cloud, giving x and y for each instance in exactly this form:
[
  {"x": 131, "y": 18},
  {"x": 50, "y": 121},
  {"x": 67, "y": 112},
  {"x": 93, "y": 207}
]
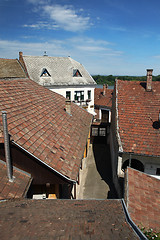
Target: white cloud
[
  {"x": 92, "y": 48},
  {"x": 40, "y": 25},
  {"x": 66, "y": 17},
  {"x": 93, "y": 54},
  {"x": 60, "y": 16},
  {"x": 10, "y": 49}
]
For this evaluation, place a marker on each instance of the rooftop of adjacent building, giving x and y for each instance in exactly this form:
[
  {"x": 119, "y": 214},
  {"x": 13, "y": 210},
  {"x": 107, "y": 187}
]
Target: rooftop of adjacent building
[
  {"x": 142, "y": 195},
  {"x": 138, "y": 116},
  {"x": 56, "y": 71},
  {"x": 64, "y": 219},
  {"x": 39, "y": 123},
  {"x": 103, "y": 96},
  {"x": 16, "y": 189},
  {"x": 11, "y": 68}
]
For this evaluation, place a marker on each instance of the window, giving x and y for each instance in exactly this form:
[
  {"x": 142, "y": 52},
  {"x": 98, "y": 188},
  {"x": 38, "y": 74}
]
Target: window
[
  {"x": 68, "y": 95},
  {"x": 76, "y": 73},
  {"x": 158, "y": 171},
  {"x": 45, "y": 73},
  {"x": 94, "y": 132},
  {"x": 102, "y": 132},
  {"x": 89, "y": 94},
  {"x": 79, "y": 95},
  {"x": 104, "y": 116}
]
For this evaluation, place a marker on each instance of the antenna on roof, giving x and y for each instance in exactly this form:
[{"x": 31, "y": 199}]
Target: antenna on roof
[{"x": 45, "y": 53}]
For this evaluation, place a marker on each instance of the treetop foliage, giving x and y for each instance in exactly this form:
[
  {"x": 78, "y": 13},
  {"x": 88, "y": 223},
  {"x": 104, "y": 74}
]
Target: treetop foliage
[{"x": 110, "y": 79}]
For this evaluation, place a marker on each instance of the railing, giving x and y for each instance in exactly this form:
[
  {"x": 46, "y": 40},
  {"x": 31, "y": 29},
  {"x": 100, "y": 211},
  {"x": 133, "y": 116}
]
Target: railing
[{"x": 83, "y": 103}]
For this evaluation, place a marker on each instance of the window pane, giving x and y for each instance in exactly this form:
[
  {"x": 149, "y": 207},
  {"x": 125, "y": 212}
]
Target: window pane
[
  {"x": 68, "y": 95},
  {"x": 94, "y": 131},
  {"x": 89, "y": 94},
  {"x": 102, "y": 132},
  {"x": 79, "y": 95}
]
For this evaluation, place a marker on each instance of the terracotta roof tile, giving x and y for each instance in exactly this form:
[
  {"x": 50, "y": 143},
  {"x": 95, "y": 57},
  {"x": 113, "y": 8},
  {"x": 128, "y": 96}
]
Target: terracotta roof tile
[
  {"x": 15, "y": 189},
  {"x": 143, "y": 199},
  {"x": 103, "y": 100},
  {"x": 64, "y": 219},
  {"x": 137, "y": 113},
  {"x": 38, "y": 122}
]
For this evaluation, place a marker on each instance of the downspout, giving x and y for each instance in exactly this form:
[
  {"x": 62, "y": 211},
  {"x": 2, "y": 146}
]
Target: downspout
[
  {"x": 6, "y": 147},
  {"x": 117, "y": 127}
]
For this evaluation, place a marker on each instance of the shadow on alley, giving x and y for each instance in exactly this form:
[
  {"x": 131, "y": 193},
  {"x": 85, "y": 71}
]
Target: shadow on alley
[{"x": 102, "y": 159}]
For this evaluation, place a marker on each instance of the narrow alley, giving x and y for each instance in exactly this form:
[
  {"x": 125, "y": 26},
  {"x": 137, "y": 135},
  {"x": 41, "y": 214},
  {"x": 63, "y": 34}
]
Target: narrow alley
[{"x": 96, "y": 177}]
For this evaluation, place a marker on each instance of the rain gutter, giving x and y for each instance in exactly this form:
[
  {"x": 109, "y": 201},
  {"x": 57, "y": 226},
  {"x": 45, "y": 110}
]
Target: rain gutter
[
  {"x": 131, "y": 223},
  {"x": 66, "y": 178}
]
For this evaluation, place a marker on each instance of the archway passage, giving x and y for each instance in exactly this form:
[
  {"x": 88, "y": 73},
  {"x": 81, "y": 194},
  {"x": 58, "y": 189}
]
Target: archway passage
[{"x": 136, "y": 164}]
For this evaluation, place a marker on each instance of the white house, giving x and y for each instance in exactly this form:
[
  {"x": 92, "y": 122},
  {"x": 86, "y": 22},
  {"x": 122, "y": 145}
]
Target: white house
[{"x": 63, "y": 75}]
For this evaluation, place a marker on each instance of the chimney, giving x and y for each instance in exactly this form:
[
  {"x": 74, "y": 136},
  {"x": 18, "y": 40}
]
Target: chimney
[
  {"x": 149, "y": 80},
  {"x": 68, "y": 106},
  {"x": 6, "y": 146},
  {"x": 20, "y": 55},
  {"x": 104, "y": 89}
]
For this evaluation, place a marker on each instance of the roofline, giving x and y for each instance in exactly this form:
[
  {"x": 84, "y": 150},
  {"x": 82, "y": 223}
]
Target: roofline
[
  {"x": 66, "y": 178},
  {"x": 70, "y": 85},
  {"x": 103, "y": 106},
  {"x": 117, "y": 128},
  {"x": 131, "y": 223},
  {"x": 139, "y": 154}
]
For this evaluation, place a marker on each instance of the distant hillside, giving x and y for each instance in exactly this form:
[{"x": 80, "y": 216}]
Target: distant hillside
[{"x": 100, "y": 79}]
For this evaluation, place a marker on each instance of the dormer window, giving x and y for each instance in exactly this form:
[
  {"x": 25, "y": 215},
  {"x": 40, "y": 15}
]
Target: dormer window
[
  {"x": 76, "y": 73},
  {"x": 45, "y": 73}
]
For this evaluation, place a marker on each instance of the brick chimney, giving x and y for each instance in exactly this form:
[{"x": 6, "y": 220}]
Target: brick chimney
[
  {"x": 68, "y": 106},
  {"x": 149, "y": 80},
  {"x": 104, "y": 89}
]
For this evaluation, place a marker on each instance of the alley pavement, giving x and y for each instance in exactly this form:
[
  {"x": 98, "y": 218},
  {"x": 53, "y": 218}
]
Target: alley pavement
[{"x": 96, "y": 178}]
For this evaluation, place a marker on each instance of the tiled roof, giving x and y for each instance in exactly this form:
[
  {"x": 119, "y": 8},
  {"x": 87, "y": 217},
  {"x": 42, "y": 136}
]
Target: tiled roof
[
  {"x": 60, "y": 69},
  {"x": 103, "y": 100},
  {"x": 16, "y": 189},
  {"x": 11, "y": 68},
  {"x": 38, "y": 122},
  {"x": 138, "y": 111},
  {"x": 143, "y": 199},
  {"x": 64, "y": 220}
]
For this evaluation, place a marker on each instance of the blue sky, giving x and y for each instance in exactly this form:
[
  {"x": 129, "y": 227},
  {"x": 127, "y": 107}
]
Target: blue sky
[{"x": 118, "y": 37}]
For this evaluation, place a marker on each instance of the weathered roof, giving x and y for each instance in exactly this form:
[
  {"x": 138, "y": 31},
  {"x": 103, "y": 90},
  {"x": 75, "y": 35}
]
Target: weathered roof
[
  {"x": 138, "y": 112},
  {"x": 143, "y": 198},
  {"x": 103, "y": 100},
  {"x": 16, "y": 189},
  {"x": 64, "y": 219},
  {"x": 11, "y": 68},
  {"x": 38, "y": 122},
  {"x": 60, "y": 71}
]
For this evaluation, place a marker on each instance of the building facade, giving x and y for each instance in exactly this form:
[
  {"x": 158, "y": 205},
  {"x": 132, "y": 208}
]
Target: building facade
[{"x": 62, "y": 75}]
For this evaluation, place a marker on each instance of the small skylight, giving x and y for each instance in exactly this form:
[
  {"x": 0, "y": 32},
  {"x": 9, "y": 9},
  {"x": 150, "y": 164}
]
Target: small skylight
[
  {"x": 76, "y": 73},
  {"x": 45, "y": 73}
]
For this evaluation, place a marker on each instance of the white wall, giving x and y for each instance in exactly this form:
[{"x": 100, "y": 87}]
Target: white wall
[
  {"x": 62, "y": 91},
  {"x": 150, "y": 163}
]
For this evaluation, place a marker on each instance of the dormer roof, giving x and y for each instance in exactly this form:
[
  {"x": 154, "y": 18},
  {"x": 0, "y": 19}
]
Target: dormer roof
[{"x": 62, "y": 71}]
